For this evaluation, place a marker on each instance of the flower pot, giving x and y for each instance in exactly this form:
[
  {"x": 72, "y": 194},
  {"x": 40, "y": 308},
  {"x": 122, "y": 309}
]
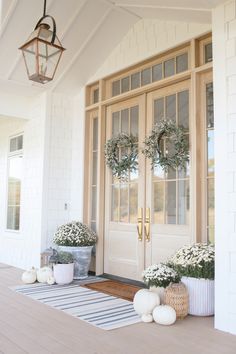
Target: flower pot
[
  {"x": 63, "y": 273},
  {"x": 82, "y": 259},
  {"x": 201, "y": 296},
  {"x": 160, "y": 291}
]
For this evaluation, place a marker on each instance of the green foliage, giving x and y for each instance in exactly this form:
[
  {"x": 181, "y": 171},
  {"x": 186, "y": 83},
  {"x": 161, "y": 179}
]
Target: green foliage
[
  {"x": 64, "y": 258},
  {"x": 154, "y": 146},
  {"x": 121, "y": 154}
]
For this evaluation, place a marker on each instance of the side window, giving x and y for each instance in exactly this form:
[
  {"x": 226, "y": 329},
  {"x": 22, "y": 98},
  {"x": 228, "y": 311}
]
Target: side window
[{"x": 14, "y": 181}]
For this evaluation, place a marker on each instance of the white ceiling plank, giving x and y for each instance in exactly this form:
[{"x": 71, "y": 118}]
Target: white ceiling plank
[
  {"x": 187, "y": 4},
  {"x": 8, "y": 15},
  {"x": 82, "y": 48}
]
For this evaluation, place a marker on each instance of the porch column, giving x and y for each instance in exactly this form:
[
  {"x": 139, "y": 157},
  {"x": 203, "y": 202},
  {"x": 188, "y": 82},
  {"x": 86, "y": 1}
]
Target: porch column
[{"x": 224, "y": 48}]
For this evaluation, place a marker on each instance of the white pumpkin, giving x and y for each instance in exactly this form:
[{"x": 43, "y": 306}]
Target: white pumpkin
[
  {"x": 164, "y": 315},
  {"x": 43, "y": 274},
  {"x": 144, "y": 303},
  {"x": 147, "y": 318},
  {"x": 29, "y": 276},
  {"x": 51, "y": 280}
]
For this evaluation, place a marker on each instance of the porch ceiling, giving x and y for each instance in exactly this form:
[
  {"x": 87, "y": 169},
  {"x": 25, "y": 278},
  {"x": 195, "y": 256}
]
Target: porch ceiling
[{"x": 89, "y": 29}]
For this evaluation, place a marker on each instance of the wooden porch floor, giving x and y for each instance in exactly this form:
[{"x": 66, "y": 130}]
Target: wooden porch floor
[{"x": 27, "y": 326}]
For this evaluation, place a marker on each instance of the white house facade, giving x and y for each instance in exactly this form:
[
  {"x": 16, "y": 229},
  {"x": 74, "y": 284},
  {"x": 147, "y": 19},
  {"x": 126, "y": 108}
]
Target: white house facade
[{"x": 125, "y": 62}]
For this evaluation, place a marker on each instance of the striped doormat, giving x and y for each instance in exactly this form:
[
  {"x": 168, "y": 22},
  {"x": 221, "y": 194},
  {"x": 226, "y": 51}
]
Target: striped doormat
[{"x": 99, "y": 309}]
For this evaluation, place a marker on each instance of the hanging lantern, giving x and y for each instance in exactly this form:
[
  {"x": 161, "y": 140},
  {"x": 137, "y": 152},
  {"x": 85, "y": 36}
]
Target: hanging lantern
[{"x": 42, "y": 51}]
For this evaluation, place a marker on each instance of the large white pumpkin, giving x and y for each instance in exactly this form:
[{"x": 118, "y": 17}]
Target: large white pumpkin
[
  {"x": 164, "y": 315},
  {"x": 43, "y": 274},
  {"x": 144, "y": 302},
  {"x": 29, "y": 276}
]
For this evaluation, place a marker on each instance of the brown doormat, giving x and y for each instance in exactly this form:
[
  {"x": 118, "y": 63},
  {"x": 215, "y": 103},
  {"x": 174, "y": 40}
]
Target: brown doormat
[{"x": 115, "y": 288}]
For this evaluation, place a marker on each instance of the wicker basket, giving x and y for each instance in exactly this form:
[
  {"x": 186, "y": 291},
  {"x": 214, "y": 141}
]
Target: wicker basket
[{"x": 176, "y": 295}]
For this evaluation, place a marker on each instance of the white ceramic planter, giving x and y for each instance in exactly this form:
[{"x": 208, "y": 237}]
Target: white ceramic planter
[
  {"x": 63, "y": 273},
  {"x": 201, "y": 296},
  {"x": 82, "y": 259}
]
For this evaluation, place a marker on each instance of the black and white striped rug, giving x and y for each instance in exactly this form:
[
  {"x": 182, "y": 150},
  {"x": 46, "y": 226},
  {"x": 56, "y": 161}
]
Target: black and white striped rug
[{"x": 99, "y": 309}]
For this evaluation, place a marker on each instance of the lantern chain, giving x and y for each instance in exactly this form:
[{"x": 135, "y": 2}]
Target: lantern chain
[{"x": 44, "y": 7}]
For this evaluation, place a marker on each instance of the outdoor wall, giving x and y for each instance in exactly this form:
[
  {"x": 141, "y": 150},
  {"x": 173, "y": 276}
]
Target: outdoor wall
[
  {"x": 148, "y": 38},
  {"x": 224, "y": 49},
  {"x": 22, "y": 249}
]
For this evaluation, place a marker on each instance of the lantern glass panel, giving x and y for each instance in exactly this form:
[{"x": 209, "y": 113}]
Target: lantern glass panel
[
  {"x": 30, "y": 58},
  {"x": 48, "y": 59}
]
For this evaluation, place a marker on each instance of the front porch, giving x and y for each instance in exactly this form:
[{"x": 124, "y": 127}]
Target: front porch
[{"x": 27, "y": 326}]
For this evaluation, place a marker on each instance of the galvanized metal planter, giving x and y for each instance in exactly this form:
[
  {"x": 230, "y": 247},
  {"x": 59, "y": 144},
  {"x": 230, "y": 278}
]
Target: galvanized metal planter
[{"x": 82, "y": 259}]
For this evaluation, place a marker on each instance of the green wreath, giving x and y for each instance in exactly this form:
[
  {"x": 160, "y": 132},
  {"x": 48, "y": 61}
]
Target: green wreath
[
  {"x": 154, "y": 152},
  {"x": 121, "y": 166}
]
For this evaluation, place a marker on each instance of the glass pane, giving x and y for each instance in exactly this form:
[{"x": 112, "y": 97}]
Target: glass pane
[
  {"x": 125, "y": 84},
  {"x": 95, "y": 161},
  {"x": 133, "y": 202},
  {"x": 134, "y": 113},
  {"x": 115, "y": 123},
  {"x": 125, "y": 121},
  {"x": 14, "y": 180},
  {"x": 158, "y": 110},
  {"x": 94, "y": 226},
  {"x": 183, "y": 202},
  {"x": 94, "y": 204},
  {"x": 124, "y": 203},
  {"x": 171, "y": 108},
  {"x": 158, "y": 202},
  {"x": 158, "y": 173},
  {"x": 208, "y": 52},
  {"x": 16, "y": 143},
  {"x": 211, "y": 234},
  {"x": 171, "y": 202},
  {"x": 115, "y": 203},
  {"x": 135, "y": 81},
  {"x": 95, "y": 96},
  {"x": 169, "y": 67},
  {"x": 210, "y": 105},
  {"x": 146, "y": 76},
  {"x": 13, "y": 218},
  {"x": 95, "y": 134},
  {"x": 116, "y": 88},
  {"x": 211, "y": 201},
  {"x": 210, "y": 152},
  {"x": 183, "y": 109},
  {"x": 157, "y": 72},
  {"x": 181, "y": 63}
]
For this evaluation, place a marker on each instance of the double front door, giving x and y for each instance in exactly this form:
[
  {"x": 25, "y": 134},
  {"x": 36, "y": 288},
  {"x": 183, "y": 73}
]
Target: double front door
[{"x": 147, "y": 216}]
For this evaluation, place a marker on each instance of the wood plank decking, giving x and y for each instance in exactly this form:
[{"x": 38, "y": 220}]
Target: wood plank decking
[{"x": 27, "y": 326}]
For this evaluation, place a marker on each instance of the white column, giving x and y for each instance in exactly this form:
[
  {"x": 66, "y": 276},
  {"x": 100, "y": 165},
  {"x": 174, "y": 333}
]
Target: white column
[{"x": 224, "y": 51}]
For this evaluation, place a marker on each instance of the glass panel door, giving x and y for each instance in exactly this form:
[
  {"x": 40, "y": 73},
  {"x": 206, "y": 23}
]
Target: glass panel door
[
  {"x": 168, "y": 193},
  {"x": 124, "y": 252}
]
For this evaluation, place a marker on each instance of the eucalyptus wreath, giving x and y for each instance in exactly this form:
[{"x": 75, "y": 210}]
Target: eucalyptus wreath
[
  {"x": 154, "y": 152},
  {"x": 121, "y": 152}
]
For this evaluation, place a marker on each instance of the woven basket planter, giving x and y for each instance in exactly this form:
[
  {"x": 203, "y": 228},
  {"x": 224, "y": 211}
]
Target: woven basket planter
[{"x": 176, "y": 296}]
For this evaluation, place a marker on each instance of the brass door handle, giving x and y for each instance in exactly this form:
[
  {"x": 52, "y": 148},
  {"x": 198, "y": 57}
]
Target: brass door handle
[
  {"x": 147, "y": 225},
  {"x": 140, "y": 224}
]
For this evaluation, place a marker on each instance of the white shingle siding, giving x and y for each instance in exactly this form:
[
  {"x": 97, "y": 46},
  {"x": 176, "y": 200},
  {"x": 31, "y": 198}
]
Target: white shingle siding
[{"x": 224, "y": 41}]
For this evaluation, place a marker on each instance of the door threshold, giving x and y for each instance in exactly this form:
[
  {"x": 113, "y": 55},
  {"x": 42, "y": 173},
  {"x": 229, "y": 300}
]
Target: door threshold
[{"x": 124, "y": 280}]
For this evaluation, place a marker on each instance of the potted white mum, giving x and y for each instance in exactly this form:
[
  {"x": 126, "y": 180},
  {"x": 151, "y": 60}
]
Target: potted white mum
[
  {"x": 196, "y": 264},
  {"x": 158, "y": 276},
  {"x": 78, "y": 239},
  {"x": 63, "y": 268}
]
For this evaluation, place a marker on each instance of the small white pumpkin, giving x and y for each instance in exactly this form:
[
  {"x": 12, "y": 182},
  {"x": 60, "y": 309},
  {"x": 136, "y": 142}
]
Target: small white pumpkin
[
  {"x": 144, "y": 302},
  {"x": 51, "y": 280},
  {"x": 164, "y": 315},
  {"x": 43, "y": 274},
  {"x": 147, "y": 318},
  {"x": 29, "y": 276}
]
